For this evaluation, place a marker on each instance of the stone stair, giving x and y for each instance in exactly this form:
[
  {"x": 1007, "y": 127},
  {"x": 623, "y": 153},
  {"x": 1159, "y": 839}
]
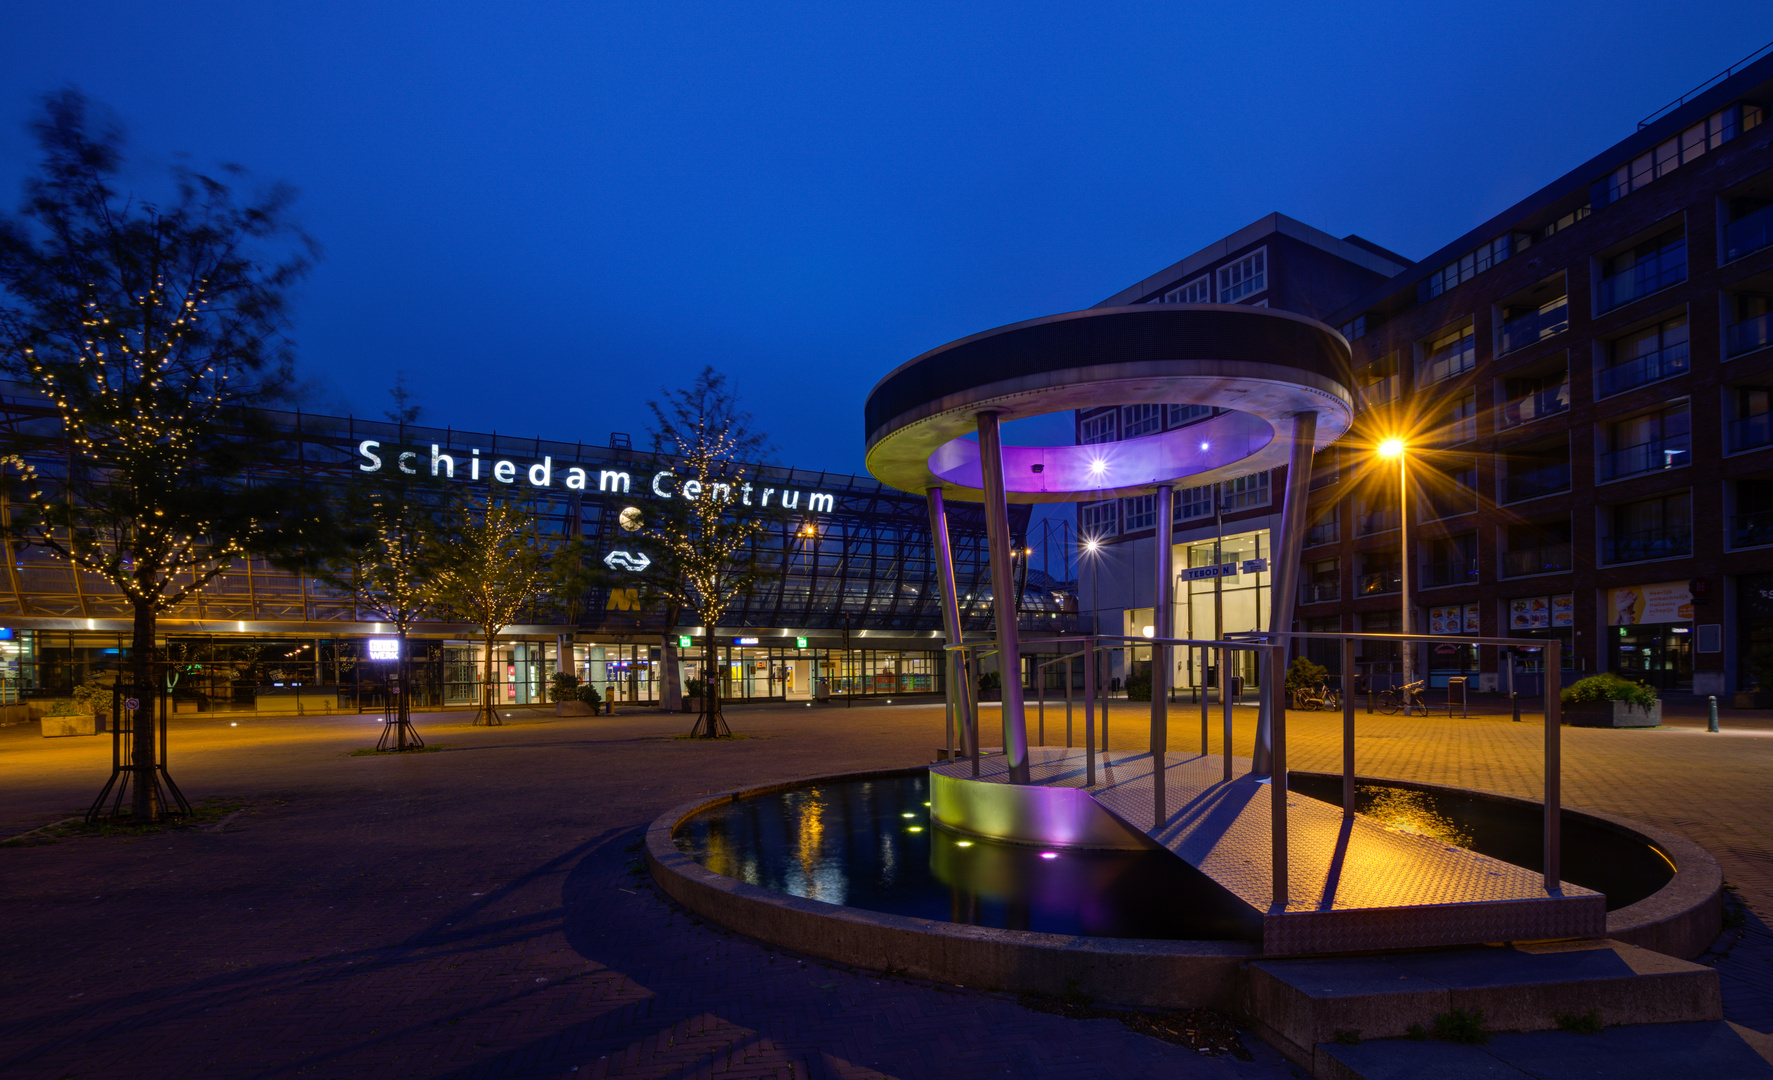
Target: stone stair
[{"x": 1350, "y": 1017}]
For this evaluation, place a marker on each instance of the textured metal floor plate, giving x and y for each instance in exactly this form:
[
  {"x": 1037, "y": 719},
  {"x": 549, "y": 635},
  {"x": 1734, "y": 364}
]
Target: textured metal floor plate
[{"x": 1354, "y": 883}]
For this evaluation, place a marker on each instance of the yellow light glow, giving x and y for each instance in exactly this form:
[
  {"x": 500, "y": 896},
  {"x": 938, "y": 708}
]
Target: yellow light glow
[{"x": 1391, "y": 448}]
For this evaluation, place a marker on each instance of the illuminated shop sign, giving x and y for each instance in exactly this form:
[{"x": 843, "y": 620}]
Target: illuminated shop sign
[
  {"x": 664, "y": 483},
  {"x": 384, "y": 648},
  {"x": 745, "y": 641}
]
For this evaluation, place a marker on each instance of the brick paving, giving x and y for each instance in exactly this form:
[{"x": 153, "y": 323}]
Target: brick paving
[{"x": 477, "y": 912}]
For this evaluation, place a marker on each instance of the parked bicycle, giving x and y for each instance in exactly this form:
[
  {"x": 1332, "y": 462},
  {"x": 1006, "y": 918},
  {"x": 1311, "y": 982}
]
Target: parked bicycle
[
  {"x": 1313, "y": 698},
  {"x": 1407, "y": 696}
]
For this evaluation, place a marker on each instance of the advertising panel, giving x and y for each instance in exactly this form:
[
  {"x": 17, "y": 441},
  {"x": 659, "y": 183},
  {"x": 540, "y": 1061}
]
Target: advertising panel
[
  {"x": 1453, "y": 619},
  {"x": 1663, "y": 602}
]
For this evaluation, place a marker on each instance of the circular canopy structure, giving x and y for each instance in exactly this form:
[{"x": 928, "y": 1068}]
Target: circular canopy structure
[{"x": 1262, "y": 365}]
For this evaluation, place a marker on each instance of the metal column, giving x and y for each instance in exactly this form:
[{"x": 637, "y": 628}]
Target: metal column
[
  {"x": 1003, "y": 596},
  {"x": 1160, "y": 659},
  {"x": 1284, "y": 583},
  {"x": 958, "y": 699},
  {"x": 1554, "y": 765}
]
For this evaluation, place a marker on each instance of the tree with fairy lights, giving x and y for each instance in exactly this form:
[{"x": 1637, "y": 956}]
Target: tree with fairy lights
[
  {"x": 492, "y": 564},
  {"x": 152, "y": 328},
  {"x": 707, "y": 540}
]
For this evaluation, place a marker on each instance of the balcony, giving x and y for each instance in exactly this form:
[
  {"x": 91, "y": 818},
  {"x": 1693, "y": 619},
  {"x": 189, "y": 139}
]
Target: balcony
[
  {"x": 1550, "y": 559},
  {"x": 1751, "y": 530},
  {"x": 1461, "y": 572},
  {"x": 1376, "y": 393},
  {"x": 1667, "y": 267},
  {"x": 1651, "y": 544},
  {"x": 1751, "y": 432},
  {"x": 1530, "y": 407},
  {"x": 1378, "y": 521},
  {"x": 1748, "y": 234},
  {"x": 1748, "y": 335},
  {"x": 1643, "y": 370},
  {"x": 1385, "y": 581},
  {"x": 1455, "y": 359},
  {"x": 1319, "y": 592},
  {"x": 1531, "y": 485},
  {"x": 1328, "y": 532},
  {"x": 1519, "y": 333},
  {"x": 1456, "y": 429},
  {"x": 1647, "y": 457}
]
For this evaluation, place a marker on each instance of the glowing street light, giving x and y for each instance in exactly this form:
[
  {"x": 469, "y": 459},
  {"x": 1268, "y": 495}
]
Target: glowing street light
[{"x": 1394, "y": 447}]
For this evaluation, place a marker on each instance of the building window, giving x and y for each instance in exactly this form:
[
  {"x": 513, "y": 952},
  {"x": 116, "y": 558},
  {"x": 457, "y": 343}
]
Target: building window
[
  {"x": 1529, "y": 397},
  {"x": 1650, "y": 529},
  {"x": 1198, "y": 291},
  {"x": 1459, "y": 422},
  {"x": 1649, "y": 355},
  {"x": 1137, "y": 420},
  {"x": 1245, "y": 277},
  {"x": 1464, "y": 268},
  {"x": 1194, "y": 502},
  {"x": 1703, "y": 137},
  {"x": 1650, "y": 267},
  {"x": 1325, "y": 467},
  {"x": 1452, "y": 492},
  {"x": 1323, "y": 582},
  {"x": 1753, "y": 328},
  {"x": 1183, "y": 415},
  {"x": 1750, "y": 426},
  {"x": 1648, "y": 443},
  {"x": 1375, "y": 383},
  {"x": 1452, "y": 352},
  {"x": 1100, "y": 519},
  {"x": 1453, "y": 560},
  {"x": 1096, "y": 429},
  {"x": 1355, "y": 328},
  {"x": 1752, "y": 523},
  {"x": 1323, "y": 528},
  {"x": 1141, "y": 512},
  {"x": 1381, "y": 572},
  {"x": 1523, "y": 326},
  {"x": 1245, "y": 491}
]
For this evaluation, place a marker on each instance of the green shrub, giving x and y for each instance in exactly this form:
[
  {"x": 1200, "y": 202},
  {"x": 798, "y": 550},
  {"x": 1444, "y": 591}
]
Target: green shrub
[
  {"x": 991, "y": 680},
  {"x": 1139, "y": 686},
  {"x": 1588, "y": 1023},
  {"x": 589, "y": 695},
  {"x": 1608, "y": 687},
  {"x": 1302, "y": 674},
  {"x": 565, "y": 688},
  {"x": 94, "y": 697},
  {"x": 1460, "y": 1026}
]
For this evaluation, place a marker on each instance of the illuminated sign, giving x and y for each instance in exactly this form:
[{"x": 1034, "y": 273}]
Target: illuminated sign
[
  {"x": 627, "y": 560},
  {"x": 683, "y": 642},
  {"x": 745, "y": 641},
  {"x": 541, "y": 474},
  {"x": 384, "y": 648},
  {"x": 800, "y": 643}
]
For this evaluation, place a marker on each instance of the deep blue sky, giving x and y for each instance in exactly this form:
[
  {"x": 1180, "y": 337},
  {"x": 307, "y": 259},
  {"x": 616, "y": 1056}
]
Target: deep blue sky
[{"x": 544, "y": 212}]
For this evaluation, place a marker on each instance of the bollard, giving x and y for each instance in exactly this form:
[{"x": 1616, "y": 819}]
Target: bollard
[
  {"x": 1517, "y": 705},
  {"x": 1713, "y": 728}
]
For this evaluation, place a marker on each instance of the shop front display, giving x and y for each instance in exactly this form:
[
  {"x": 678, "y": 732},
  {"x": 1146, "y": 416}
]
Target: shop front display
[{"x": 1650, "y": 634}]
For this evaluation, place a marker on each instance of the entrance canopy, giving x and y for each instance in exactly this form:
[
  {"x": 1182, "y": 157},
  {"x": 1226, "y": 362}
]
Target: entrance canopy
[{"x": 1263, "y": 366}]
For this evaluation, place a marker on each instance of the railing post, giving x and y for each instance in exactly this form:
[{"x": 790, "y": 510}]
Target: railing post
[
  {"x": 1040, "y": 703},
  {"x": 1202, "y": 691},
  {"x": 1068, "y": 703},
  {"x": 1347, "y": 733},
  {"x": 1277, "y": 786},
  {"x": 1090, "y": 711},
  {"x": 1225, "y": 706},
  {"x": 1515, "y": 695},
  {"x": 1713, "y": 726},
  {"x": 1553, "y": 766}
]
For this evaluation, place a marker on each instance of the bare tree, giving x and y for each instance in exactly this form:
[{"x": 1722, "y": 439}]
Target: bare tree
[
  {"x": 152, "y": 329},
  {"x": 706, "y": 541},
  {"x": 493, "y": 564}
]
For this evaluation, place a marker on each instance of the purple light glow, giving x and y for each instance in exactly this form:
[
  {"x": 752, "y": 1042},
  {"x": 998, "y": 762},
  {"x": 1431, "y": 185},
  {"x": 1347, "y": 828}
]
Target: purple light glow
[
  {"x": 1171, "y": 455},
  {"x": 1049, "y": 855}
]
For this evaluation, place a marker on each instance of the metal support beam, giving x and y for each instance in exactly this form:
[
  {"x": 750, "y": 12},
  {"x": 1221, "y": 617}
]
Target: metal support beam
[
  {"x": 958, "y": 698},
  {"x": 1554, "y": 765},
  {"x": 1277, "y": 787},
  {"x": 1003, "y": 596},
  {"x": 1162, "y": 615},
  {"x": 1284, "y": 554},
  {"x": 1347, "y": 728}
]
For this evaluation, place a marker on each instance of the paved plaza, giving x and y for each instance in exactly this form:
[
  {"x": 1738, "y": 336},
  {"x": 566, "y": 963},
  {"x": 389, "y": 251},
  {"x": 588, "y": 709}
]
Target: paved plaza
[{"x": 479, "y": 911}]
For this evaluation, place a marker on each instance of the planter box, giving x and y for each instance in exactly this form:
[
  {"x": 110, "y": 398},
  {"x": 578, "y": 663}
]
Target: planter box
[
  {"x": 55, "y": 727},
  {"x": 690, "y": 705},
  {"x": 573, "y": 708},
  {"x": 1752, "y": 699},
  {"x": 1612, "y": 714},
  {"x": 991, "y": 695}
]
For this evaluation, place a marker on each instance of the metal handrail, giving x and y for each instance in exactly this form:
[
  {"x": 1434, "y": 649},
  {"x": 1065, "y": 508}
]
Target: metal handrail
[{"x": 1275, "y": 643}]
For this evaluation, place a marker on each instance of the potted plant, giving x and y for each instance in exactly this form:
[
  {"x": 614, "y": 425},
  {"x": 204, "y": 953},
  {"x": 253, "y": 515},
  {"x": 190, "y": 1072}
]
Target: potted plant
[
  {"x": 990, "y": 686},
  {"x": 1304, "y": 674},
  {"x": 1139, "y": 686},
  {"x": 1760, "y": 669},
  {"x": 1606, "y": 700},
  {"x": 567, "y": 695}
]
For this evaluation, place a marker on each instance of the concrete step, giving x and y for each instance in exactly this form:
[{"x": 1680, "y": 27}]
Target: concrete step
[
  {"x": 1709, "y": 1050},
  {"x": 1300, "y": 1006}
]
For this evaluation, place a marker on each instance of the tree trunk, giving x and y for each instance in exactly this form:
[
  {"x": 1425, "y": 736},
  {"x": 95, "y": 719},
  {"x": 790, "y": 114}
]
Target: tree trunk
[
  {"x": 488, "y": 699},
  {"x": 400, "y": 686},
  {"x": 146, "y": 805}
]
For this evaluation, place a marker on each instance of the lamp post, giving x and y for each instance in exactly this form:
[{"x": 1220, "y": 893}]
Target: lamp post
[{"x": 1394, "y": 448}]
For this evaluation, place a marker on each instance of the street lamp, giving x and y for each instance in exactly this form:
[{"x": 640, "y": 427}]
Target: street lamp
[{"x": 1394, "y": 448}]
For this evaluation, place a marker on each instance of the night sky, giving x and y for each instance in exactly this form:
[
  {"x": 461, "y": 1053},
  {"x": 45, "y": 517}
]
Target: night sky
[{"x": 544, "y": 212}]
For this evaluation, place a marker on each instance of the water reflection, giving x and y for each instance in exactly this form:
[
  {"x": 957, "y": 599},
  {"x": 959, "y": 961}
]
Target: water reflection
[
  {"x": 870, "y": 844},
  {"x": 1410, "y": 812}
]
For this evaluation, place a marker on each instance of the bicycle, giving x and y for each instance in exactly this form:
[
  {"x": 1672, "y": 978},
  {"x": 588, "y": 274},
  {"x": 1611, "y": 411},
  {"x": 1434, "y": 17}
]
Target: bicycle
[
  {"x": 1392, "y": 700},
  {"x": 1322, "y": 696}
]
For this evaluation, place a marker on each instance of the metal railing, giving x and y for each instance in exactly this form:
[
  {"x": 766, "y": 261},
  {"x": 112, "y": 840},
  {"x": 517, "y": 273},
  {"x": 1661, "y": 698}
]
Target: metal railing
[
  {"x": 1319, "y": 592},
  {"x": 1272, "y": 647},
  {"x": 1383, "y": 581},
  {"x": 1661, "y": 270},
  {"x": 1652, "y": 456},
  {"x": 1328, "y": 533},
  {"x": 1457, "y": 572},
  {"x": 1519, "y": 333},
  {"x": 1751, "y": 431},
  {"x": 1748, "y": 335},
  {"x": 1645, "y": 369},
  {"x": 1748, "y": 234},
  {"x": 1534, "y": 406},
  {"x": 1549, "y": 559},
  {"x": 1648, "y": 544},
  {"x": 1751, "y": 530},
  {"x": 1532, "y": 485}
]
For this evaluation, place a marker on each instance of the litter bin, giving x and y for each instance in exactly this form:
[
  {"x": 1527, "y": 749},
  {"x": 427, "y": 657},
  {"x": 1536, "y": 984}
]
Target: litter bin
[
  {"x": 1237, "y": 688},
  {"x": 821, "y": 688},
  {"x": 1456, "y": 686}
]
